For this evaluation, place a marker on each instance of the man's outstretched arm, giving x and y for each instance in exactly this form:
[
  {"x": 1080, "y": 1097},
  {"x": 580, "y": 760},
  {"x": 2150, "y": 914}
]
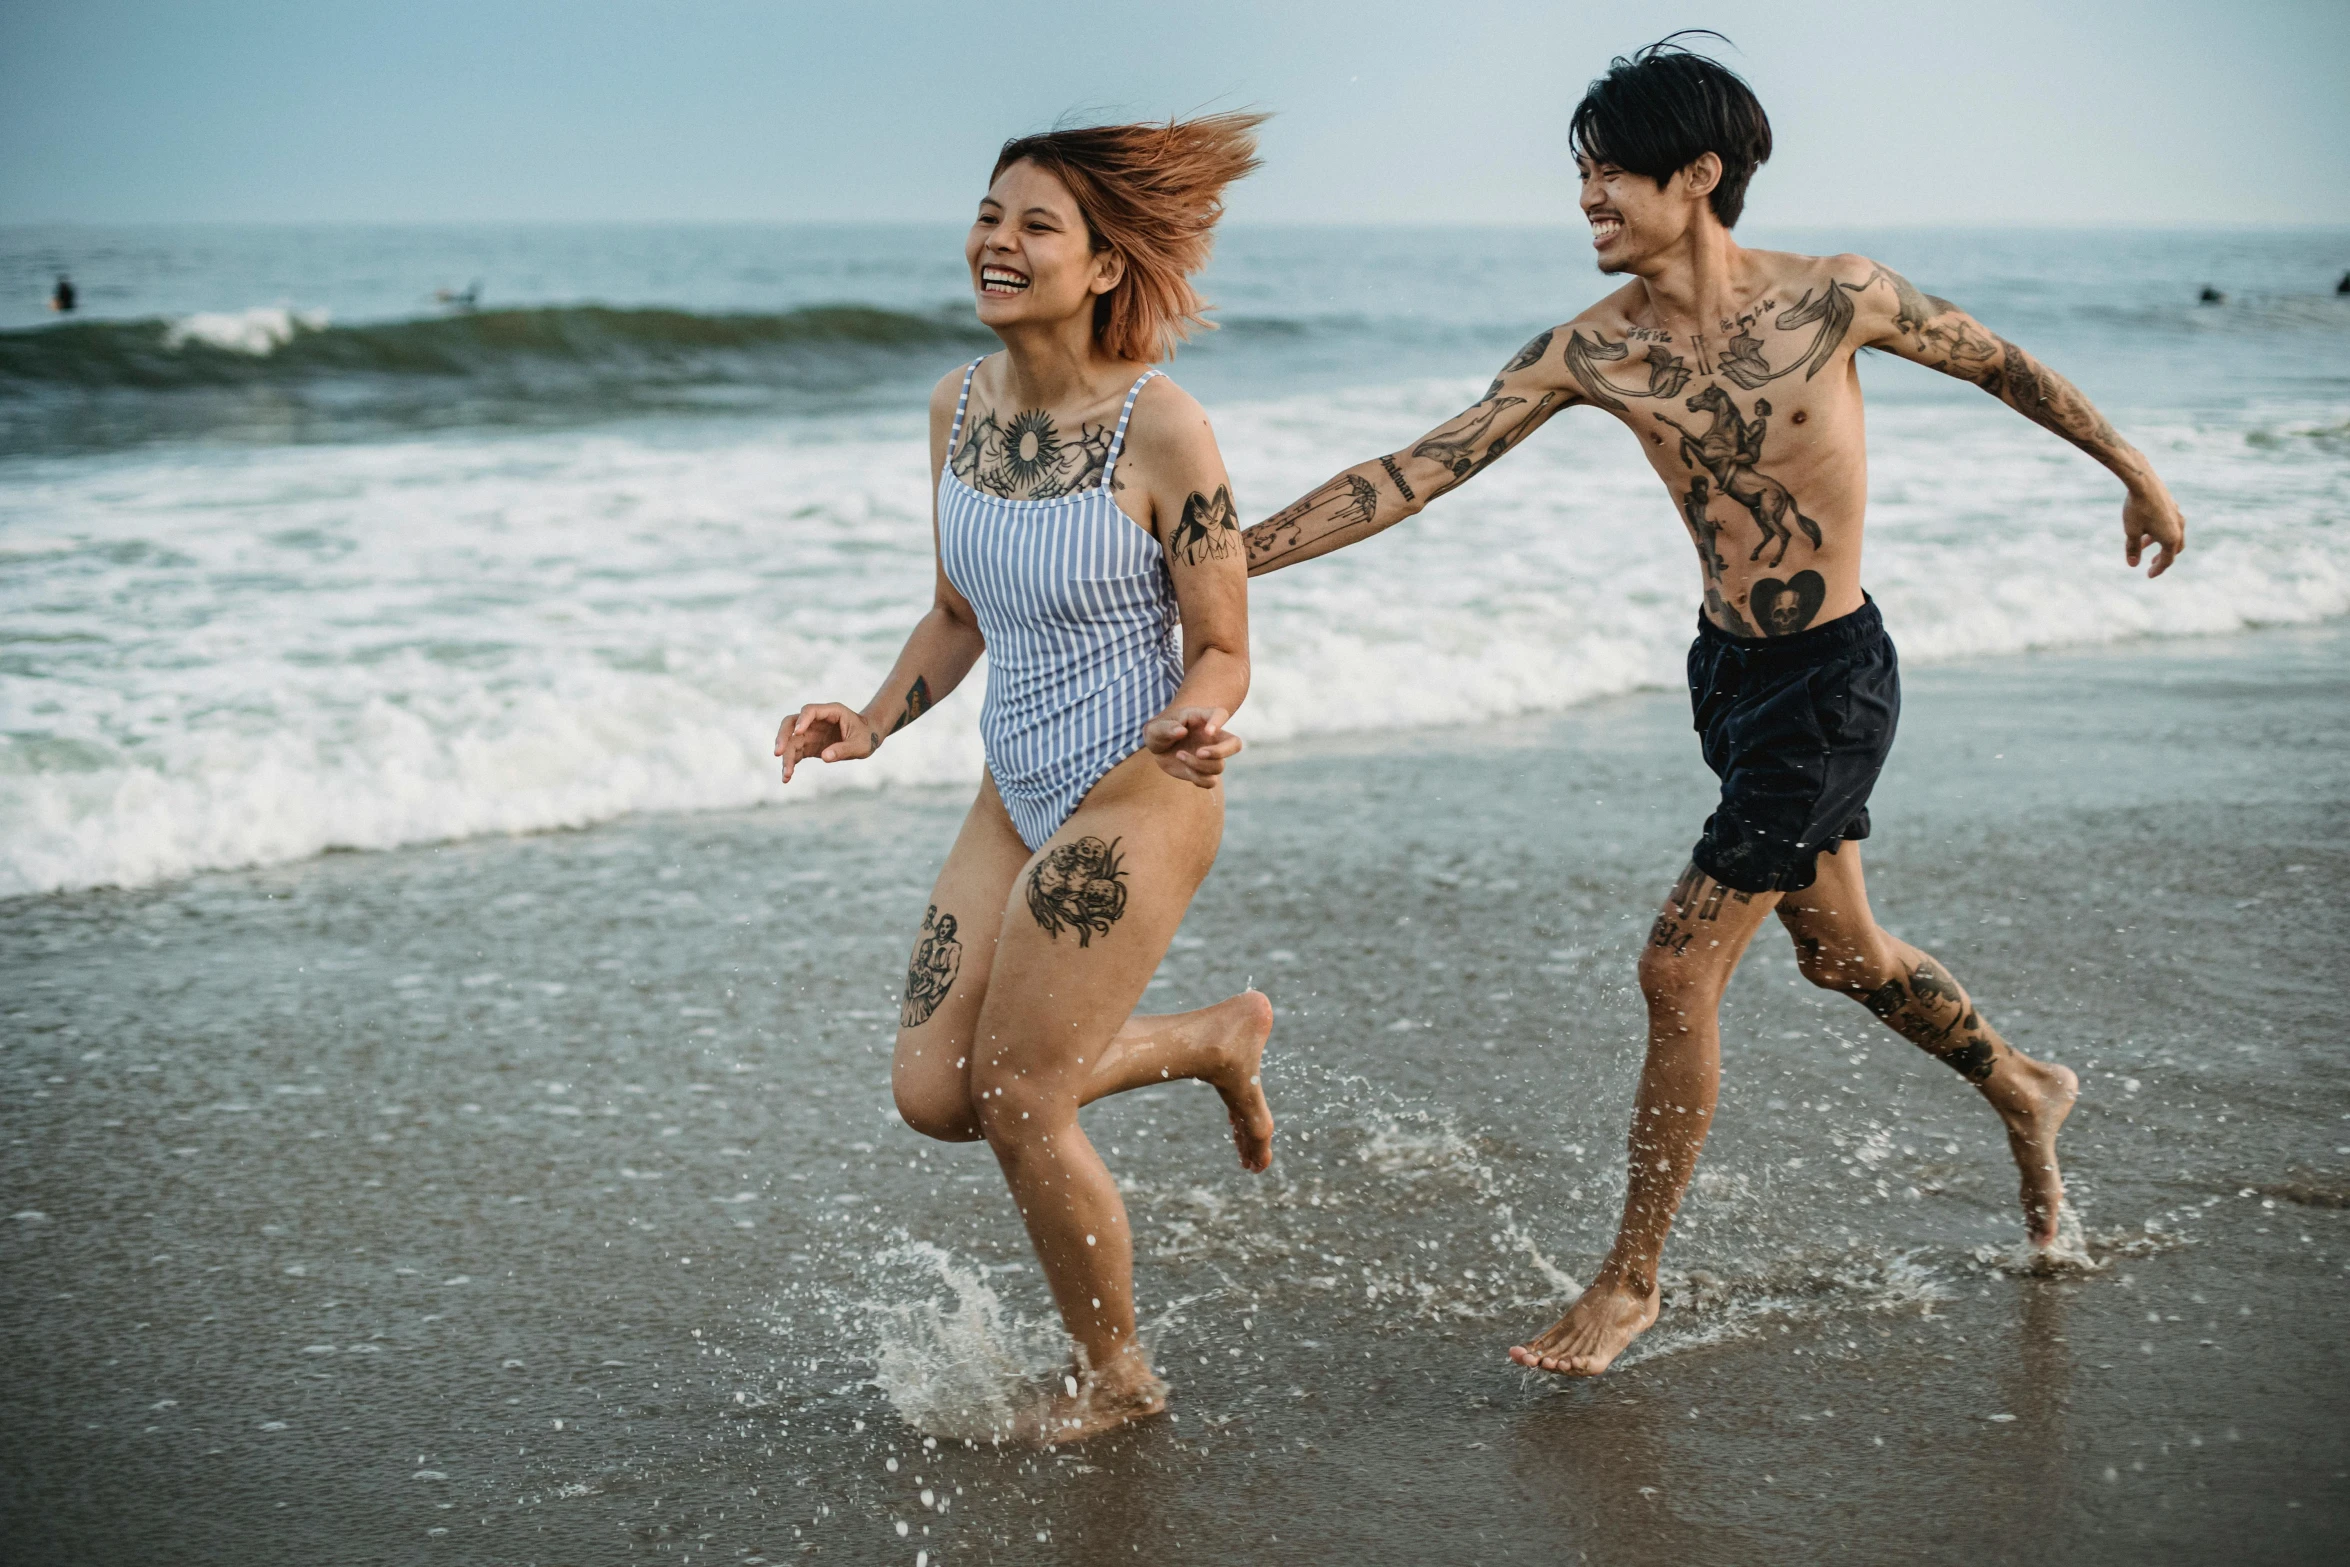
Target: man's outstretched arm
[
  {"x": 1376, "y": 495},
  {"x": 1936, "y": 333}
]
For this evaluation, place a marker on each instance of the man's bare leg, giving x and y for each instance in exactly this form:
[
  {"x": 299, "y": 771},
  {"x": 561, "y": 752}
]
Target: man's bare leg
[
  {"x": 1840, "y": 946},
  {"x": 1692, "y": 950}
]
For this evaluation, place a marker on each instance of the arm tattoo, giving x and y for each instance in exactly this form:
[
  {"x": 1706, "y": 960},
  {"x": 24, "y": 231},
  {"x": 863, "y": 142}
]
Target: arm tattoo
[
  {"x": 1457, "y": 445},
  {"x": 2051, "y": 401},
  {"x": 1348, "y": 501},
  {"x": 938, "y": 956},
  {"x": 1395, "y": 475},
  {"x": 1209, "y": 530},
  {"x": 917, "y": 703},
  {"x": 1531, "y": 354},
  {"x": 1079, "y": 886}
]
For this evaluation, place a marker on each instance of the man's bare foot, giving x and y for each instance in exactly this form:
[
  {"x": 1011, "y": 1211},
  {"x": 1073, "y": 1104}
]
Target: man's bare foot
[
  {"x": 2033, "y": 1098},
  {"x": 1088, "y": 1404},
  {"x": 1243, "y": 1023},
  {"x": 1596, "y": 1329}
]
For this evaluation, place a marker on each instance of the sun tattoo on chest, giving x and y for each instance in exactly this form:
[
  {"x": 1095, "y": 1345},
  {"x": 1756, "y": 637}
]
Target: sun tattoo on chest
[{"x": 1028, "y": 456}]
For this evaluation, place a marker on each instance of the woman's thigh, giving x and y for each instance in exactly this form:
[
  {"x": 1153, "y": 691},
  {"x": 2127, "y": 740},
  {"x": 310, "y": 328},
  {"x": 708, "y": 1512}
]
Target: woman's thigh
[
  {"x": 1083, "y": 930},
  {"x": 947, "y": 977}
]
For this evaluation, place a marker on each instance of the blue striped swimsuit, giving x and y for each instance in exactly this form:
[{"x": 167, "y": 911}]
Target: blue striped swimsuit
[{"x": 1079, "y": 614}]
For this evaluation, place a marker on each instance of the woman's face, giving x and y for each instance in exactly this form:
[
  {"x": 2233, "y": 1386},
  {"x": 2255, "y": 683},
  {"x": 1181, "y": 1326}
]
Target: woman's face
[{"x": 1031, "y": 257}]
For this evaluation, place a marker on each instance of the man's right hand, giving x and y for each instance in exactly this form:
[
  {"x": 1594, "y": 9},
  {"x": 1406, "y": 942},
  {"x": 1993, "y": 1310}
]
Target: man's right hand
[
  {"x": 826, "y": 731},
  {"x": 2150, "y": 516}
]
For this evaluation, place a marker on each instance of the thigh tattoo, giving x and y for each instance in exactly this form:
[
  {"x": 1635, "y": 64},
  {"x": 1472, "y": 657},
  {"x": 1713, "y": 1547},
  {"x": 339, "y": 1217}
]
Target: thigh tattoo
[
  {"x": 937, "y": 958},
  {"x": 1079, "y": 886}
]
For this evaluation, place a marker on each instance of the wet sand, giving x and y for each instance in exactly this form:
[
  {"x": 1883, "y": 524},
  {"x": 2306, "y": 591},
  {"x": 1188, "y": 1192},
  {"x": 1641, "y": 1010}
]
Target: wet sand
[{"x": 538, "y": 1200}]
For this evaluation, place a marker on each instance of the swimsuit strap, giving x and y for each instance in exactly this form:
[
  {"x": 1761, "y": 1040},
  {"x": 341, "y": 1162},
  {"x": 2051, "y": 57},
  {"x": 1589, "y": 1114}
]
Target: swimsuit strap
[
  {"x": 962, "y": 403},
  {"x": 1118, "y": 441}
]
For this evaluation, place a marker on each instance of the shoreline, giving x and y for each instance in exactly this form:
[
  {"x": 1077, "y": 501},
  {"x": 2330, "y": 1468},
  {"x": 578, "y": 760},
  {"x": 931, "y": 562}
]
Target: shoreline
[{"x": 374, "y": 1167}]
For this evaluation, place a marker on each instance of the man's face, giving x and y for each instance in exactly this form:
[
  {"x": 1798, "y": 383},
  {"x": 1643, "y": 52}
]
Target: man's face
[{"x": 1631, "y": 217}]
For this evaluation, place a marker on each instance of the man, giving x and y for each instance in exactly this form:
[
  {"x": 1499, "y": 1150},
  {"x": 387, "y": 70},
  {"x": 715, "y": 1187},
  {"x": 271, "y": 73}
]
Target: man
[{"x": 1734, "y": 370}]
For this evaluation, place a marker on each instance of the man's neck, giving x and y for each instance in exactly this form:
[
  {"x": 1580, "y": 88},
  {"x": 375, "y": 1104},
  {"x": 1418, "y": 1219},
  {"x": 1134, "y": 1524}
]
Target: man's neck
[{"x": 1699, "y": 282}]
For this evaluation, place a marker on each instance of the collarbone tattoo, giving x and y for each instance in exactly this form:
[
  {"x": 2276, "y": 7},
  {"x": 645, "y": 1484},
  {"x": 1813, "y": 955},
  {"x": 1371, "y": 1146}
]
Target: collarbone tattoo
[{"x": 1028, "y": 456}]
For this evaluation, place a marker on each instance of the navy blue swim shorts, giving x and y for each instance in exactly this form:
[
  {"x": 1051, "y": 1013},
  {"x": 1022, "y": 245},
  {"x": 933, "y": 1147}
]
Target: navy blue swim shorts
[{"x": 1797, "y": 728}]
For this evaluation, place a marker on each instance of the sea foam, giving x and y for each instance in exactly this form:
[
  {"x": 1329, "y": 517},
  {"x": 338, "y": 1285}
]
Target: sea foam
[{"x": 233, "y": 657}]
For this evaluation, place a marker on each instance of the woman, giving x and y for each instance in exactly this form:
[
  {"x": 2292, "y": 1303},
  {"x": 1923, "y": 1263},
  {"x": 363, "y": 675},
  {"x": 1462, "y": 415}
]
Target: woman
[{"x": 1083, "y": 519}]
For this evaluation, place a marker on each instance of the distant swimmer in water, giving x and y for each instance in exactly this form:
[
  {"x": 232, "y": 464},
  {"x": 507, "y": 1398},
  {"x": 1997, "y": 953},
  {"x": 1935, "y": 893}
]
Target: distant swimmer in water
[
  {"x": 1792, "y": 677},
  {"x": 1088, "y": 545},
  {"x": 2343, "y": 287},
  {"x": 62, "y": 298},
  {"x": 457, "y": 299},
  {"x": 2211, "y": 296}
]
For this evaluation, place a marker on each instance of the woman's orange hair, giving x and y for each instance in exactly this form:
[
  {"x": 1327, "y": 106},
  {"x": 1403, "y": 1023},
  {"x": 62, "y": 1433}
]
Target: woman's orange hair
[{"x": 1152, "y": 193}]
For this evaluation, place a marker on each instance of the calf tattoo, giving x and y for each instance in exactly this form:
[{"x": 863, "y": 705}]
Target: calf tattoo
[
  {"x": 1930, "y": 1011},
  {"x": 1079, "y": 886},
  {"x": 937, "y": 958},
  {"x": 1210, "y": 529},
  {"x": 917, "y": 703}
]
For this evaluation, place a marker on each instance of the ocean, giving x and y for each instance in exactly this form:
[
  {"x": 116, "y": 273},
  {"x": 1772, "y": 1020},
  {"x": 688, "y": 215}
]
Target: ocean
[
  {"x": 296, "y": 560},
  {"x": 521, "y": 1183}
]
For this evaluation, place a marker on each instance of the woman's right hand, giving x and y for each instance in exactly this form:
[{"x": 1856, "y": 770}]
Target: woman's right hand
[{"x": 826, "y": 731}]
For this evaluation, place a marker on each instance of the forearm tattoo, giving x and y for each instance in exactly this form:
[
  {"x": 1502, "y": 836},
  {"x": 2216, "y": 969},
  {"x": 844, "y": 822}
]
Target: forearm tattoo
[
  {"x": 917, "y": 703},
  {"x": 938, "y": 956},
  {"x": 1951, "y": 341},
  {"x": 1928, "y": 1009},
  {"x": 1348, "y": 501},
  {"x": 1396, "y": 478},
  {"x": 1079, "y": 886},
  {"x": 1209, "y": 529}
]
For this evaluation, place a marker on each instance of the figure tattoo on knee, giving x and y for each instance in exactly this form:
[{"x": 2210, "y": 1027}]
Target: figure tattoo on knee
[
  {"x": 1930, "y": 1011},
  {"x": 929, "y": 978},
  {"x": 1079, "y": 886}
]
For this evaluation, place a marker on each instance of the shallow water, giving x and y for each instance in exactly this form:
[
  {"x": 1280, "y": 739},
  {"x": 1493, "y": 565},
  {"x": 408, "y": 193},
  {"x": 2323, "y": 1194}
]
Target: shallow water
[{"x": 545, "y": 1191}]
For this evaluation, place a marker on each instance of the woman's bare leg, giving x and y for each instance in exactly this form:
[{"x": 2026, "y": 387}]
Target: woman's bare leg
[
  {"x": 946, "y": 982},
  {"x": 1080, "y": 935}
]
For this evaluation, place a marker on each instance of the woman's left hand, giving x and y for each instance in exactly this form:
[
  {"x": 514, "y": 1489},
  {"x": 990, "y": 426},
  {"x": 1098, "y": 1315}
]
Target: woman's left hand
[{"x": 1191, "y": 743}]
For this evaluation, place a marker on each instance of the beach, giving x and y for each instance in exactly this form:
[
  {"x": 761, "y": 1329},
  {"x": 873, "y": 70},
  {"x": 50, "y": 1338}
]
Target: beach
[{"x": 539, "y": 1197}]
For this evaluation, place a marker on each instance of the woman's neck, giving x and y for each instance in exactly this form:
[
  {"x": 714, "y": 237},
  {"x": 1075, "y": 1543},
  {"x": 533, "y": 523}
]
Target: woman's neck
[{"x": 1050, "y": 364}]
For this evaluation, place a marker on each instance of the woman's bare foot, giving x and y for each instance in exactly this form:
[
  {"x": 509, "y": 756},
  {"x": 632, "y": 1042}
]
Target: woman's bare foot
[
  {"x": 1596, "y": 1329},
  {"x": 2033, "y": 1098},
  {"x": 1087, "y": 1404},
  {"x": 1243, "y": 1023}
]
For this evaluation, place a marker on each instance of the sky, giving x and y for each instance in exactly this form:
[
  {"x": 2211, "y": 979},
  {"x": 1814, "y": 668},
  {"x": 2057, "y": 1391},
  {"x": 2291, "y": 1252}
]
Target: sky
[{"x": 2061, "y": 112}]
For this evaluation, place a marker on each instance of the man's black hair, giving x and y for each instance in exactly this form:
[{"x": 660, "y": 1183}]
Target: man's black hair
[{"x": 1655, "y": 114}]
